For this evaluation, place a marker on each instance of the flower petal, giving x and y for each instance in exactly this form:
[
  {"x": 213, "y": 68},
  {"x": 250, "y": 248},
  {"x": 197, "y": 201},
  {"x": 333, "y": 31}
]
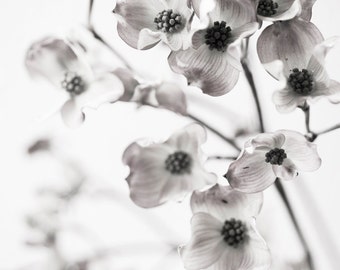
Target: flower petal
[
  {"x": 265, "y": 141},
  {"x": 333, "y": 92},
  {"x": 291, "y": 41},
  {"x": 246, "y": 30},
  {"x": 135, "y": 15},
  {"x": 302, "y": 153},
  {"x": 223, "y": 203},
  {"x": 148, "y": 39},
  {"x": 306, "y": 10},
  {"x": 71, "y": 114},
  {"x": 171, "y": 96},
  {"x": 205, "y": 69},
  {"x": 189, "y": 139},
  {"x": 250, "y": 173},
  {"x": 253, "y": 255},
  {"x": 286, "y": 171},
  {"x": 206, "y": 243},
  {"x": 129, "y": 83},
  {"x": 286, "y": 100},
  {"x": 236, "y": 13}
]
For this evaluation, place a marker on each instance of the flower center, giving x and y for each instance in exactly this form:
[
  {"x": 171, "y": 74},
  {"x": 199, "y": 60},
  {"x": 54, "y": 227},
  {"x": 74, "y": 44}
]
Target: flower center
[
  {"x": 276, "y": 156},
  {"x": 73, "y": 83},
  {"x": 169, "y": 21},
  {"x": 301, "y": 81},
  {"x": 217, "y": 36},
  {"x": 267, "y": 8},
  {"x": 178, "y": 163},
  {"x": 234, "y": 232}
]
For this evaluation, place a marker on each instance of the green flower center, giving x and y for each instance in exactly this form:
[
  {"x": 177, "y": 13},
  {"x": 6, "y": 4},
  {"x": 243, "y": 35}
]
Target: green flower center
[
  {"x": 267, "y": 8},
  {"x": 168, "y": 21},
  {"x": 234, "y": 232},
  {"x": 301, "y": 81},
  {"x": 73, "y": 83},
  {"x": 276, "y": 156},
  {"x": 217, "y": 36},
  {"x": 178, "y": 163}
]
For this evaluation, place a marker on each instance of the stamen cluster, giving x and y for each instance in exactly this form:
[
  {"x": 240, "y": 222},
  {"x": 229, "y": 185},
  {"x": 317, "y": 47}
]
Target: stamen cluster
[
  {"x": 276, "y": 156},
  {"x": 73, "y": 83},
  {"x": 267, "y": 8},
  {"x": 234, "y": 232},
  {"x": 301, "y": 81},
  {"x": 168, "y": 21},
  {"x": 178, "y": 163},
  {"x": 217, "y": 36}
]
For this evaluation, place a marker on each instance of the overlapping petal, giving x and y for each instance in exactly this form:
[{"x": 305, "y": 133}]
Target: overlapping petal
[
  {"x": 291, "y": 41},
  {"x": 306, "y": 9},
  {"x": 171, "y": 97},
  {"x": 287, "y": 9},
  {"x": 286, "y": 100},
  {"x": 223, "y": 202}
]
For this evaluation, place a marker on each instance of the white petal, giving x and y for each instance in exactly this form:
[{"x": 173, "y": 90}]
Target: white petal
[
  {"x": 250, "y": 173},
  {"x": 206, "y": 244},
  {"x": 306, "y": 10},
  {"x": 275, "y": 69},
  {"x": 235, "y": 13},
  {"x": 148, "y": 39},
  {"x": 291, "y": 41},
  {"x": 104, "y": 89},
  {"x": 246, "y": 30},
  {"x": 286, "y": 100},
  {"x": 333, "y": 92},
  {"x": 223, "y": 203},
  {"x": 71, "y": 114},
  {"x": 171, "y": 96},
  {"x": 302, "y": 153},
  {"x": 205, "y": 69},
  {"x": 286, "y": 171},
  {"x": 265, "y": 141},
  {"x": 189, "y": 139},
  {"x": 130, "y": 153},
  {"x": 129, "y": 83}
]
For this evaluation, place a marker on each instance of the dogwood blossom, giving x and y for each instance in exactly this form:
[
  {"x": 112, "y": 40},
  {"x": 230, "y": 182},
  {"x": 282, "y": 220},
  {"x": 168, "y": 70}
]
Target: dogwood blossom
[
  {"x": 224, "y": 236},
  {"x": 144, "y": 23},
  {"x": 306, "y": 82},
  {"x": 169, "y": 170},
  {"x": 277, "y": 10},
  {"x": 213, "y": 62},
  {"x": 65, "y": 67},
  {"x": 269, "y": 156}
]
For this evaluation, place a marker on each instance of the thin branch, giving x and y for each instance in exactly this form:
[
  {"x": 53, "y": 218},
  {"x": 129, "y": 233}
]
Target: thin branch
[
  {"x": 222, "y": 158},
  {"x": 89, "y": 18},
  {"x": 285, "y": 199},
  {"x": 328, "y": 130},
  {"x": 250, "y": 78}
]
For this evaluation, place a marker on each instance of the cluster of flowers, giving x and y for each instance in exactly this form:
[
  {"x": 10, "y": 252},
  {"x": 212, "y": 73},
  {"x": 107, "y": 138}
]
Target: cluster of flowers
[{"x": 291, "y": 49}]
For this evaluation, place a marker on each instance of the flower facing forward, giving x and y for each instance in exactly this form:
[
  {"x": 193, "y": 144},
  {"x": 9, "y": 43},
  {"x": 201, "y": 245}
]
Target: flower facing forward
[
  {"x": 213, "y": 62},
  {"x": 168, "y": 170},
  {"x": 224, "y": 236},
  {"x": 269, "y": 156},
  {"x": 64, "y": 66},
  {"x": 144, "y": 23},
  {"x": 306, "y": 82},
  {"x": 277, "y": 10}
]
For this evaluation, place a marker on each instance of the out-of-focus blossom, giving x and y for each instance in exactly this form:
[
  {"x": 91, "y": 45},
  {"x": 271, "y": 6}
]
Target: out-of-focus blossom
[
  {"x": 270, "y": 156},
  {"x": 306, "y": 82},
  {"x": 213, "y": 63},
  {"x": 224, "y": 236},
  {"x": 168, "y": 170},
  {"x": 277, "y": 10},
  {"x": 144, "y": 23},
  {"x": 56, "y": 60},
  {"x": 291, "y": 41}
]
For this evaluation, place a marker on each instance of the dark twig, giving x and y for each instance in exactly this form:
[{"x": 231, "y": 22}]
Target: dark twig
[{"x": 222, "y": 158}]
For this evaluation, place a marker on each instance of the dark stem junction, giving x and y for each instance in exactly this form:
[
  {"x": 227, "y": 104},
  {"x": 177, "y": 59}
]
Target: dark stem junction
[
  {"x": 234, "y": 232},
  {"x": 267, "y": 8},
  {"x": 217, "y": 36},
  {"x": 178, "y": 163},
  {"x": 168, "y": 21}
]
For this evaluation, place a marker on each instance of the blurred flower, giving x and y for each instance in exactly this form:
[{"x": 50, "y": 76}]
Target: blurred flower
[
  {"x": 306, "y": 83},
  {"x": 213, "y": 63},
  {"x": 144, "y": 23},
  {"x": 277, "y": 10},
  {"x": 56, "y": 60},
  {"x": 290, "y": 41},
  {"x": 168, "y": 170},
  {"x": 270, "y": 156},
  {"x": 224, "y": 236}
]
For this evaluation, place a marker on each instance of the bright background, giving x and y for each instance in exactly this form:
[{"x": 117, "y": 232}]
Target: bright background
[{"x": 103, "y": 217}]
